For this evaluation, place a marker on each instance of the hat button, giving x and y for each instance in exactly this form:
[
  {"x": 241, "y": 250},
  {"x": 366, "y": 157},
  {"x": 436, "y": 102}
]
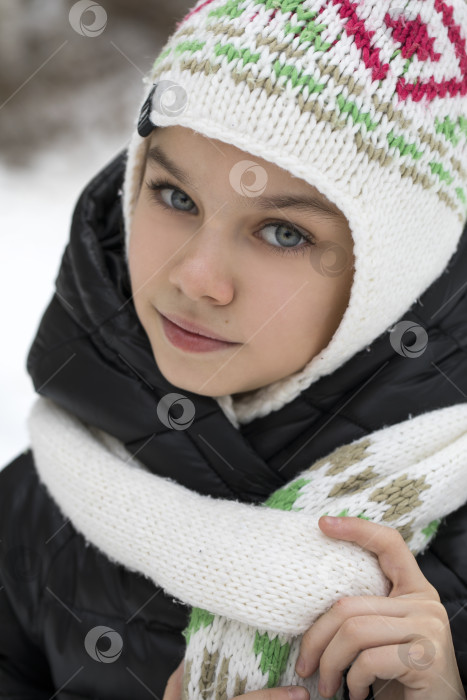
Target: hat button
[{"x": 145, "y": 125}]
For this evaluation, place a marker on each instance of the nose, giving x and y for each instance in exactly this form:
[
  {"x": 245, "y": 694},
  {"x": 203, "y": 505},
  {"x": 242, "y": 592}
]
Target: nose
[{"x": 203, "y": 267}]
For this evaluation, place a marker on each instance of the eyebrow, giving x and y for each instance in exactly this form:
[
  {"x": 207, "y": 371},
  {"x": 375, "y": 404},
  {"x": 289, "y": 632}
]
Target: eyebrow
[{"x": 305, "y": 202}]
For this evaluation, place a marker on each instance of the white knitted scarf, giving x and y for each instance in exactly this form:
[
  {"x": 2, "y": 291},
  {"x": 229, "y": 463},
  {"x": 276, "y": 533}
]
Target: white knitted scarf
[{"x": 256, "y": 576}]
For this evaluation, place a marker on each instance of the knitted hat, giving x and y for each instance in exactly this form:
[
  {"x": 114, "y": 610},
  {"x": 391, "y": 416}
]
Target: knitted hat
[{"x": 366, "y": 102}]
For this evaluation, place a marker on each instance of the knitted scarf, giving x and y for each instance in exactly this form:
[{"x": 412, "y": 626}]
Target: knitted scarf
[{"x": 256, "y": 576}]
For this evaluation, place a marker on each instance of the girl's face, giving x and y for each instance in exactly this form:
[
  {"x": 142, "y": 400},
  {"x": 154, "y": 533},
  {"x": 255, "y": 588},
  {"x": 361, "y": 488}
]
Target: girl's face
[{"x": 208, "y": 248}]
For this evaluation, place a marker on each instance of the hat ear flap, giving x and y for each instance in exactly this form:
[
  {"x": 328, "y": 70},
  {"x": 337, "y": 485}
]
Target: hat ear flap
[{"x": 133, "y": 177}]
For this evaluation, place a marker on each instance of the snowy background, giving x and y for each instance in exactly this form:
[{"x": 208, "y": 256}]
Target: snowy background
[{"x": 68, "y": 101}]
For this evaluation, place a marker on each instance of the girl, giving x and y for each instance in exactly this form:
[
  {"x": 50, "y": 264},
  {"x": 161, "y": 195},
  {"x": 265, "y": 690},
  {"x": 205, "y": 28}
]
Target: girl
[{"x": 225, "y": 361}]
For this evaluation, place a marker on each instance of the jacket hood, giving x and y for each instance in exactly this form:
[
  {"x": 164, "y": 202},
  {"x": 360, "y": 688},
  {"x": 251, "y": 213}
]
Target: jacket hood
[{"x": 92, "y": 356}]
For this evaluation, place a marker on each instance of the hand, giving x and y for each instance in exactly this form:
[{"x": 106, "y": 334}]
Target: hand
[
  {"x": 173, "y": 690},
  {"x": 400, "y": 643},
  {"x": 286, "y": 692}
]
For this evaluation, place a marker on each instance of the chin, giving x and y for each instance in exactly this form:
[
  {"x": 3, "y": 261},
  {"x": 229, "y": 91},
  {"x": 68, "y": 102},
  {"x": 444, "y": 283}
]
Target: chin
[{"x": 191, "y": 386}]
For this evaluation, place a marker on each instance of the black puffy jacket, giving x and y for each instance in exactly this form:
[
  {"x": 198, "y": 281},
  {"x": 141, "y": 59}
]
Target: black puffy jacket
[{"x": 92, "y": 356}]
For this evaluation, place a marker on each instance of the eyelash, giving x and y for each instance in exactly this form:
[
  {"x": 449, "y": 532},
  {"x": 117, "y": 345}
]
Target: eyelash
[{"x": 155, "y": 186}]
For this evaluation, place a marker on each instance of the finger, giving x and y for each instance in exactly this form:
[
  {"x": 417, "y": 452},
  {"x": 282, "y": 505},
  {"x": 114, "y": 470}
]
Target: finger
[
  {"x": 173, "y": 689},
  {"x": 288, "y": 692},
  {"x": 356, "y": 635},
  {"x": 386, "y": 663},
  {"x": 395, "y": 558},
  {"x": 316, "y": 639}
]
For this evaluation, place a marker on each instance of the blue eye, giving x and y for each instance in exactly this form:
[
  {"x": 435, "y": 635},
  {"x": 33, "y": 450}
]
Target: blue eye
[
  {"x": 179, "y": 197},
  {"x": 179, "y": 201},
  {"x": 285, "y": 233}
]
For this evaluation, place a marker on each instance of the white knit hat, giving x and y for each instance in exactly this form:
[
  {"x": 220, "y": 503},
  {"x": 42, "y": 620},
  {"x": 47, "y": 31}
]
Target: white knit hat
[{"x": 366, "y": 102}]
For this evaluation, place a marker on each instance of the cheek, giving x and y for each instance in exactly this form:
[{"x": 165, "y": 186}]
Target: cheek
[
  {"x": 152, "y": 242},
  {"x": 341, "y": 290},
  {"x": 310, "y": 315},
  {"x": 280, "y": 315}
]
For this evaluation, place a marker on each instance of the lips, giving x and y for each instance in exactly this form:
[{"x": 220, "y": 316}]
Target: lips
[
  {"x": 192, "y": 328},
  {"x": 191, "y": 342}
]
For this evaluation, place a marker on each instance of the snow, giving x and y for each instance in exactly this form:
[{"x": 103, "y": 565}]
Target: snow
[
  {"x": 37, "y": 203},
  {"x": 76, "y": 110}
]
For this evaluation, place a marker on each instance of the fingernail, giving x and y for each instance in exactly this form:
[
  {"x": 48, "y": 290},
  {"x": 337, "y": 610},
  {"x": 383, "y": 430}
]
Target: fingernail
[
  {"x": 300, "y": 666},
  {"x": 297, "y": 692},
  {"x": 331, "y": 519}
]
